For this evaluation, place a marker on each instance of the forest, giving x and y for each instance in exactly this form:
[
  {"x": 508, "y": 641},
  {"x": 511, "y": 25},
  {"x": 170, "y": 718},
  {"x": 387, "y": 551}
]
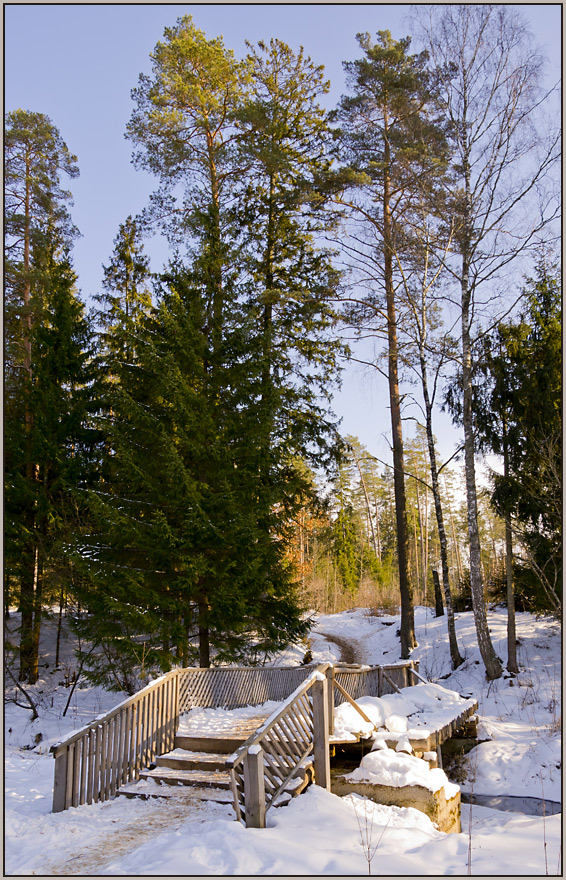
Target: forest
[{"x": 176, "y": 482}]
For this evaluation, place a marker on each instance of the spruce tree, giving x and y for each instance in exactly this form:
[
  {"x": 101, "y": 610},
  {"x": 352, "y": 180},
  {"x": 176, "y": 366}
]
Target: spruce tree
[
  {"x": 60, "y": 447},
  {"x": 178, "y": 507},
  {"x": 36, "y": 220}
]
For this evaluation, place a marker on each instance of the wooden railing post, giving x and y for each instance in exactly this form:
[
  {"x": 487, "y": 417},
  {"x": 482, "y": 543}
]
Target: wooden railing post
[
  {"x": 330, "y": 691},
  {"x": 320, "y": 732},
  {"x": 60, "y": 781},
  {"x": 254, "y": 788}
]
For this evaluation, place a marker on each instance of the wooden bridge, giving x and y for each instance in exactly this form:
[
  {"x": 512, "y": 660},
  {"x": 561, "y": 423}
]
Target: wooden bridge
[{"x": 260, "y": 762}]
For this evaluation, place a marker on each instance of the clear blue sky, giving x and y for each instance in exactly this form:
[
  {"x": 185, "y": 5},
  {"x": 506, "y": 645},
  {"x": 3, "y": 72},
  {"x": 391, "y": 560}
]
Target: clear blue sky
[{"x": 78, "y": 63}]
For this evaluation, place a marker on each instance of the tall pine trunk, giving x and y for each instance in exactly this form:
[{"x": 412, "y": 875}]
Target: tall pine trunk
[
  {"x": 407, "y": 633},
  {"x": 29, "y": 556}
]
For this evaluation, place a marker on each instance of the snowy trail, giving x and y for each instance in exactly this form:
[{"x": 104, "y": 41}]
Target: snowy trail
[
  {"x": 348, "y": 653},
  {"x": 156, "y": 816}
]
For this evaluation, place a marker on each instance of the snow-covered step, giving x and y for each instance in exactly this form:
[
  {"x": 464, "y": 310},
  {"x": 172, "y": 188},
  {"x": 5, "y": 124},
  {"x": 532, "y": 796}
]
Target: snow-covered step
[
  {"x": 201, "y": 778},
  {"x": 222, "y": 743},
  {"x": 184, "y": 759},
  {"x": 150, "y": 788}
]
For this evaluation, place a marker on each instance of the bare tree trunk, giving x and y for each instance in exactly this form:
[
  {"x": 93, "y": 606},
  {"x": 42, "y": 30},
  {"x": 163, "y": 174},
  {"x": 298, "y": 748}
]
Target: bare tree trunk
[
  {"x": 455, "y": 655},
  {"x": 491, "y": 661},
  {"x": 368, "y": 509}
]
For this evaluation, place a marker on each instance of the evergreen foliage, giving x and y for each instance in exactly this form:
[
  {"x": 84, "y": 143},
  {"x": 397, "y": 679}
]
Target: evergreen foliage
[{"x": 519, "y": 415}]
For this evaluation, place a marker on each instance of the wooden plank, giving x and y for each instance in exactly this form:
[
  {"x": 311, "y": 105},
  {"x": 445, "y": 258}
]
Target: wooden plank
[
  {"x": 84, "y": 767},
  {"x": 292, "y": 732},
  {"x": 145, "y": 733},
  {"x": 97, "y": 794},
  {"x": 352, "y": 702},
  {"x": 170, "y": 714},
  {"x": 124, "y": 753},
  {"x": 60, "y": 780},
  {"x": 103, "y": 761},
  {"x": 131, "y": 762},
  {"x": 139, "y": 744},
  {"x": 330, "y": 677},
  {"x": 114, "y": 734},
  {"x": 236, "y": 794},
  {"x": 70, "y": 774},
  {"x": 392, "y": 683},
  {"x": 76, "y": 773},
  {"x": 278, "y": 749},
  {"x": 90, "y": 773}
]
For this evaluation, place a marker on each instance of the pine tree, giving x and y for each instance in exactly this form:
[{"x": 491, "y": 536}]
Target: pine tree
[{"x": 388, "y": 142}]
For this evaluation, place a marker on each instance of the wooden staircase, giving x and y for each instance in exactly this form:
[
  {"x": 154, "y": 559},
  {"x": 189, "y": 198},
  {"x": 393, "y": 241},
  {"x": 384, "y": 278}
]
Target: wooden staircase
[{"x": 196, "y": 768}]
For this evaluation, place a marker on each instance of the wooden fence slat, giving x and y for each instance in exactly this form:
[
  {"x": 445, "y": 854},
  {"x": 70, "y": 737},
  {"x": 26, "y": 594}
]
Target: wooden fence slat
[
  {"x": 139, "y": 744},
  {"x": 131, "y": 761},
  {"x": 115, "y": 753},
  {"x": 77, "y": 774},
  {"x": 296, "y": 732},
  {"x": 90, "y": 770},
  {"x": 84, "y": 766},
  {"x": 98, "y": 766},
  {"x": 103, "y": 761},
  {"x": 70, "y": 776}
]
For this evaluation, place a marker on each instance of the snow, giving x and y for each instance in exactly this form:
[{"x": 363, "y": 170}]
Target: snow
[
  {"x": 217, "y": 721},
  {"x": 388, "y": 767},
  {"x": 413, "y": 713},
  {"x": 317, "y": 833}
]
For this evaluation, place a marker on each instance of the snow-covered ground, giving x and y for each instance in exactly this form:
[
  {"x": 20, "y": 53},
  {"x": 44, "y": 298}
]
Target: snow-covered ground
[{"x": 318, "y": 832}]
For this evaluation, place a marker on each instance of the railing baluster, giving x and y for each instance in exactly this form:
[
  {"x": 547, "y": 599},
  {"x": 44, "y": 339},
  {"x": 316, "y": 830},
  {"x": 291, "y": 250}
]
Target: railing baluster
[
  {"x": 70, "y": 776},
  {"x": 84, "y": 766},
  {"x": 90, "y": 771},
  {"x": 97, "y": 766}
]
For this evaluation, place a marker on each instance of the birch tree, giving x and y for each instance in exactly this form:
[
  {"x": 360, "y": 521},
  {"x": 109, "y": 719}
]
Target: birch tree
[{"x": 503, "y": 192}]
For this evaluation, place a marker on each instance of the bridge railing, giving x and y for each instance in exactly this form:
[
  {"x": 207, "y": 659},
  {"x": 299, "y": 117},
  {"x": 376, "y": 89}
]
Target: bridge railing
[
  {"x": 268, "y": 762},
  {"x": 93, "y": 762}
]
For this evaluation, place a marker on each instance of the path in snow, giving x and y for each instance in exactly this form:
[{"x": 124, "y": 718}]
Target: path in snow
[
  {"x": 349, "y": 653},
  {"x": 158, "y": 816}
]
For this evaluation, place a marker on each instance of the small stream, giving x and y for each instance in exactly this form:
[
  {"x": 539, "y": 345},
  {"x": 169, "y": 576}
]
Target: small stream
[{"x": 529, "y": 806}]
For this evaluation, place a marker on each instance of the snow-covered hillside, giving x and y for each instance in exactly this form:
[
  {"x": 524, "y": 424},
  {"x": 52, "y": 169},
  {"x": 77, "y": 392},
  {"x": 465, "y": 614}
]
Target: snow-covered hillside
[{"x": 317, "y": 833}]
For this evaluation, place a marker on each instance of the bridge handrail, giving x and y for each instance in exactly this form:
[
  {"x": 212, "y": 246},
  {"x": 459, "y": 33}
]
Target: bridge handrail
[{"x": 262, "y": 768}]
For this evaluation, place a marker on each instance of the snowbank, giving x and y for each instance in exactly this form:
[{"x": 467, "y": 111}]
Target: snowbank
[{"x": 387, "y": 767}]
